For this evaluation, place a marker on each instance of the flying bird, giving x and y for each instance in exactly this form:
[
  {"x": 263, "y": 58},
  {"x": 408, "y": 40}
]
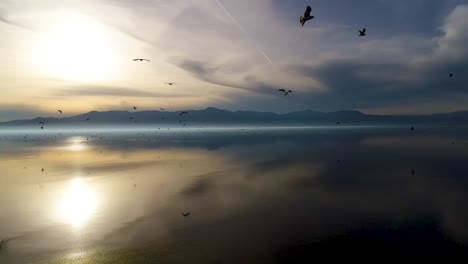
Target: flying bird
[
  {"x": 135, "y": 108},
  {"x": 183, "y": 113},
  {"x": 285, "y": 92},
  {"x": 42, "y": 127},
  {"x": 60, "y": 111},
  {"x": 185, "y": 214},
  {"x": 307, "y": 16},
  {"x": 412, "y": 172},
  {"x": 141, "y": 60},
  {"x": 87, "y": 119},
  {"x": 451, "y": 75},
  {"x": 412, "y": 128},
  {"x": 162, "y": 109},
  {"x": 170, "y": 83},
  {"x": 362, "y": 32}
]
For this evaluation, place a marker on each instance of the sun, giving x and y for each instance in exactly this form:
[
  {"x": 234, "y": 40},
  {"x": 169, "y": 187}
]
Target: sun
[{"x": 77, "y": 48}]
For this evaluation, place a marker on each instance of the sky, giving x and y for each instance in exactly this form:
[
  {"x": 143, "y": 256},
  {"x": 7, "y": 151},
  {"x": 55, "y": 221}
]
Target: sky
[{"x": 77, "y": 56}]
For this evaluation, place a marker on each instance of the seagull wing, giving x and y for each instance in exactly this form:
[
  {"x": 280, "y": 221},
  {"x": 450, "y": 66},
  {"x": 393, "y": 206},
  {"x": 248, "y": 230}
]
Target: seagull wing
[
  {"x": 282, "y": 90},
  {"x": 364, "y": 30},
  {"x": 307, "y": 12}
]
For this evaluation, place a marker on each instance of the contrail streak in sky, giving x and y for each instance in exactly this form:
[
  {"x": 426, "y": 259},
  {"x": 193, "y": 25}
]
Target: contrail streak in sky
[{"x": 242, "y": 29}]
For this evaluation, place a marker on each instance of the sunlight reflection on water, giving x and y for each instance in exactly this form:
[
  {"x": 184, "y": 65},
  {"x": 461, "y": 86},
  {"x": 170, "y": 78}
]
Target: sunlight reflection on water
[{"x": 78, "y": 203}]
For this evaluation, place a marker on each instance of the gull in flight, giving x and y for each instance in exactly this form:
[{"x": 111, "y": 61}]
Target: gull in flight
[
  {"x": 183, "y": 113},
  {"x": 303, "y": 19},
  {"x": 362, "y": 32},
  {"x": 285, "y": 92},
  {"x": 170, "y": 83},
  {"x": 60, "y": 111},
  {"x": 141, "y": 60},
  {"x": 185, "y": 214}
]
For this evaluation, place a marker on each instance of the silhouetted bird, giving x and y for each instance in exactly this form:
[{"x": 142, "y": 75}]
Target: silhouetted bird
[
  {"x": 412, "y": 172},
  {"x": 141, "y": 60},
  {"x": 25, "y": 136},
  {"x": 362, "y": 32},
  {"x": 338, "y": 123},
  {"x": 185, "y": 214},
  {"x": 60, "y": 111},
  {"x": 451, "y": 75},
  {"x": 412, "y": 128},
  {"x": 170, "y": 83},
  {"x": 87, "y": 119},
  {"x": 134, "y": 108},
  {"x": 131, "y": 118},
  {"x": 183, "y": 113},
  {"x": 285, "y": 92},
  {"x": 307, "y": 16},
  {"x": 42, "y": 169},
  {"x": 42, "y": 127},
  {"x": 162, "y": 109}
]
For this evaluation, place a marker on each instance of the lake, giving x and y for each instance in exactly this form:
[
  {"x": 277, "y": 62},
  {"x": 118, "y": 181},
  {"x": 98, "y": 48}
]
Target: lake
[{"x": 251, "y": 195}]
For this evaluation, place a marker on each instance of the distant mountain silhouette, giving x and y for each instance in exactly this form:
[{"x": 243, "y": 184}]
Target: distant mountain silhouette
[{"x": 216, "y": 116}]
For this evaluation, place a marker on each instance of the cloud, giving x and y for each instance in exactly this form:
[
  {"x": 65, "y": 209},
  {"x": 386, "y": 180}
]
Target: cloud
[
  {"x": 4, "y": 19},
  {"x": 113, "y": 92}
]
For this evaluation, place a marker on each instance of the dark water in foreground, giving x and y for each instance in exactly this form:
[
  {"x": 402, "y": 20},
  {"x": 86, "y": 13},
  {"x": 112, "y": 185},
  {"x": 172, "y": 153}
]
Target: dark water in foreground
[{"x": 255, "y": 195}]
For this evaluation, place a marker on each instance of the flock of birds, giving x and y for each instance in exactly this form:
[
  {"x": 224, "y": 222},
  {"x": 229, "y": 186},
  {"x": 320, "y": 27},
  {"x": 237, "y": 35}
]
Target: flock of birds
[{"x": 302, "y": 20}]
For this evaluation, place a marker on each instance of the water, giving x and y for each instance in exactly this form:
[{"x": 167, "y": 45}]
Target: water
[{"x": 255, "y": 195}]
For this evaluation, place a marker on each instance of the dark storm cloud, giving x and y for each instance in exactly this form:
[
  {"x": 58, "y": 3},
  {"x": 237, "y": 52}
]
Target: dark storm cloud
[
  {"x": 382, "y": 17},
  {"x": 350, "y": 88},
  {"x": 201, "y": 71},
  {"x": 379, "y": 77}
]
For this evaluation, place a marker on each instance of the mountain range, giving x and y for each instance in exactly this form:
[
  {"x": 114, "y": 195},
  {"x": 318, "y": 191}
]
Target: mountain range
[{"x": 215, "y": 116}]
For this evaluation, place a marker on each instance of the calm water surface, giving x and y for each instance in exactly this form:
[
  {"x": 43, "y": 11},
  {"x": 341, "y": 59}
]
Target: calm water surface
[{"x": 256, "y": 195}]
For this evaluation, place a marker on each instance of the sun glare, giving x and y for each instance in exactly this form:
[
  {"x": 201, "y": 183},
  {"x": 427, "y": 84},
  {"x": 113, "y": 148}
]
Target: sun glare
[
  {"x": 77, "y": 204},
  {"x": 76, "y": 144},
  {"x": 77, "y": 48}
]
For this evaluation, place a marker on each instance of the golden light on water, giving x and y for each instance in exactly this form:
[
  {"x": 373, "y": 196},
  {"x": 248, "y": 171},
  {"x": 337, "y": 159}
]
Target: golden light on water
[
  {"x": 76, "y": 144},
  {"x": 78, "y": 203}
]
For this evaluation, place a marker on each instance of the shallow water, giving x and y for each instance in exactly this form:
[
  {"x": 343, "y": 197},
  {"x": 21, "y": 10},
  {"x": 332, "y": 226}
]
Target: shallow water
[{"x": 256, "y": 195}]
